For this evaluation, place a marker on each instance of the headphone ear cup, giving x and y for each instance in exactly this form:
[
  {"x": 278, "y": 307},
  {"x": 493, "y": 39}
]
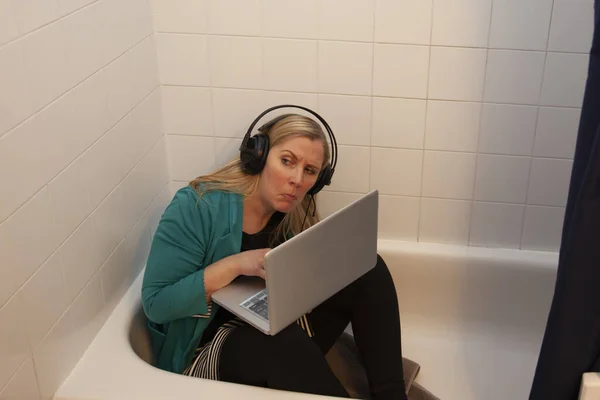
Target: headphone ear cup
[
  {"x": 254, "y": 155},
  {"x": 323, "y": 180}
]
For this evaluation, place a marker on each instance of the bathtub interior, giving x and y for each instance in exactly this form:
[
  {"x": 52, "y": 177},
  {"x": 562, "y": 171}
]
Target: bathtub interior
[{"x": 473, "y": 319}]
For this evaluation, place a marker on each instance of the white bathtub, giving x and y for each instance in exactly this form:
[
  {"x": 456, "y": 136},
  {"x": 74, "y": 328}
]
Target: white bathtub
[{"x": 472, "y": 317}]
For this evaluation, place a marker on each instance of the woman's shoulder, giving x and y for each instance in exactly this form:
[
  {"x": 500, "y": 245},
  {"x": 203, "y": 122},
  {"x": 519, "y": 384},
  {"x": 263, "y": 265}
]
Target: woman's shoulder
[{"x": 192, "y": 199}]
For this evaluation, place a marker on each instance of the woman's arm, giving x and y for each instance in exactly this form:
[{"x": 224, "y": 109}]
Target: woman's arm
[
  {"x": 173, "y": 286},
  {"x": 219, "y": 275}
]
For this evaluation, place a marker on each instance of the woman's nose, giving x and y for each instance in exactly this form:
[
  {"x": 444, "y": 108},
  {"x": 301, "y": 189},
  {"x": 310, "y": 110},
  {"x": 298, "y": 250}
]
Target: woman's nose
[{"x": 297, "y": 176}]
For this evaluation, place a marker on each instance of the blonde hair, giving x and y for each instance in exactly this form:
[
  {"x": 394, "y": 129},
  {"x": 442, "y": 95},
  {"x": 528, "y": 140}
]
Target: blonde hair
[{"x": 232, "y": 178}]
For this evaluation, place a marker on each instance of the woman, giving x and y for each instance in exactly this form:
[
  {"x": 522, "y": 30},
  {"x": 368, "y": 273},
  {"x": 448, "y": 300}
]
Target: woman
[{"x": 220, "y": 227}]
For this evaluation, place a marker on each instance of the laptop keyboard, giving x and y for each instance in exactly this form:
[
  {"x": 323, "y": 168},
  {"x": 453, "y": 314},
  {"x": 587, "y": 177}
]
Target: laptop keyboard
[{"x": 258, "y": 305}]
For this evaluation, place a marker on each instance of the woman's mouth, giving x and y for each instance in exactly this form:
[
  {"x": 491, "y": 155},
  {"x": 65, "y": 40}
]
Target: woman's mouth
[{"x": 290, "y": 197}]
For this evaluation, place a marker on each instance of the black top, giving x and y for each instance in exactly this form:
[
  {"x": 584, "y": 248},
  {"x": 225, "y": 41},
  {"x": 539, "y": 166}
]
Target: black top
[
  {"x": 255, "y": 241},
  {"x": 261, "y": 239}
]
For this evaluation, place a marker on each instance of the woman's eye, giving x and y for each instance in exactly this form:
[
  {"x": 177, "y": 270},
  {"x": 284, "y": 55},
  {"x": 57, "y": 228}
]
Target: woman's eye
[
  {"x": 310, "y": 171},
  {"x": 285, "y": 161}
]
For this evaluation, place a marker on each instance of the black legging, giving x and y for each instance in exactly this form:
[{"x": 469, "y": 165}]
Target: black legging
[{"x": 291, "y": 360}]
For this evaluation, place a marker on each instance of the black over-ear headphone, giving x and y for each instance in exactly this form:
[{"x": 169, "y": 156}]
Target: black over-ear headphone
[{"x": 254, "y": 150}]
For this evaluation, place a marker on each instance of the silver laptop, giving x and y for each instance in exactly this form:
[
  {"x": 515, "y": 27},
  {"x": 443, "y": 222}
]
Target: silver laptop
[{"x": 306, "y": 270}]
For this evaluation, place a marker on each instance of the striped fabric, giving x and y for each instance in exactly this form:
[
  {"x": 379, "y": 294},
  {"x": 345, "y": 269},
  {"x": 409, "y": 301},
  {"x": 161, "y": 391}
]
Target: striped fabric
[
  {"x": 205, "y": 363},
  {"x": 207, "y": 315}
]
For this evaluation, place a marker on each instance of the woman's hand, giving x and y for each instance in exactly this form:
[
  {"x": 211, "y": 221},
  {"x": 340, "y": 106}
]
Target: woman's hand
[
  {"x": 252, "y": 262},
  {"x": 221, "y": 273}
]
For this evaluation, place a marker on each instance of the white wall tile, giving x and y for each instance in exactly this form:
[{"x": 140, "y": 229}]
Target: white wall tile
[
  {"x": 461, "y": 23},
  {"x": 520, "y": 25},
  {"x": 398, "y": 217},
  {"x": 23, "y": 385},
  {"x": 457, "y": 73},
  {"x": 444, "y": 221},
  {"x": 234, "y": 111},
  {"x": 46, "y": 64},
  {"x": 138, "y": 242},
  {"x": 346, "y": 20},
  {"x": 502, "y": 178},
  {"x": 187, "y": 110},
  {"x": 119, "y": 76},
  {"x": 226, "y": 149},
  {"x": 145, "y": 66},
  {"x": 572, "y": 26},
  {"x": 352, "y": 170},
  {"x": 70, "y": 199},
  {"x": 507, "y": 129},
  {"x": 79, "y": 258},
  {"x": 400, "y": 70},
  {"x": 234, "y": 17},
  {"x": 345, "y": 68},
  {"x": 143, "y": 183},
  {"x": 68, "y": 6},
  {"x": 146, "y": 132},
  {"x": 514, "y": 76},
  {"x": 549, "y": 182},
  {"x": 227, "y": 54},
  {"x": 8, "y": 284},
  {"x": 452, "y": 125},
  {"x": 158, "y": 206},
  {"x": 448, "y": 174},
  {"x": 8, "y": 21},
  {"x": 87, "y": 115},
  {"x": 289, "y": 18},
  {"x": 542, "y": 228},
  {"x": 330, "y": 202},
  {"x": 115, "y": 275},
  {"x": 403, "y": 21},
  {"x": 129, "y": 23},
  {"x": 14, "y": 348},
  {"x": 17, "y": 188},
  {"x": 86, "y": 42},
  {"x": 496, "y": 225},
  {"x": 15, "y": 102},
  {"x": 110, "y": 226},
  {"x": 564, "y": 79},
  {"x": 105, "y": 176},
  {"x": 348, "y": 116},
  {"x": 44, "y": 299},
  {"x": 308, "y": 100},
  {"x": 290, "y": 64},
  {"x": 182, "y": 59},
  {"x": 55, "y": 358},
  {"x": 32, "y": 14},
  {"x": 398, "y": 123},
  {"x": 190, "y": 156},
  {"x": 396, "y": 171},
  {"x": 31, "y": 227},
  {"x": 180, "y": 16},
  {"x": 556, "y": 134},
  {"x": 87, "y": 315}
]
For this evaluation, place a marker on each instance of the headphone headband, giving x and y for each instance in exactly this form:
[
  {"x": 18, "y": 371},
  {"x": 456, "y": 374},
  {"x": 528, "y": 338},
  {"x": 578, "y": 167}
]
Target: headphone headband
[{"x": 334, "y": 152}]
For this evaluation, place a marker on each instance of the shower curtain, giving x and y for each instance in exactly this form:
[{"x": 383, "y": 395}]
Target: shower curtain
[{"x": 571, "y": 344}]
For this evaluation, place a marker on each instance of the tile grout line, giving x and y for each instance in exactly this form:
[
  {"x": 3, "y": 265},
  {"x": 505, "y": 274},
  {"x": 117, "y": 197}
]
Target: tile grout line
[
  {"x": 537, "y": 118},
  {"x": 233, "y": 88},
  {"x": 419, "y": 218},
  {"x": 367, "y": 42},
  {"x": 477, "y": 151}
]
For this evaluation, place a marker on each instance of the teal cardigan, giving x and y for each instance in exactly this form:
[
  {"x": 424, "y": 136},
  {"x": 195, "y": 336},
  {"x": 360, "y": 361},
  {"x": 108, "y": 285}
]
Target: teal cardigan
[{"x": 192, "y": 233}]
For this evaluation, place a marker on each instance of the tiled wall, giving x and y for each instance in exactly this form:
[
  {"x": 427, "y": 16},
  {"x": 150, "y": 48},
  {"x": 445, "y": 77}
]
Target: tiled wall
[
  {"x": 82, "y": 169},
  {"x": 463, "y": 113}
]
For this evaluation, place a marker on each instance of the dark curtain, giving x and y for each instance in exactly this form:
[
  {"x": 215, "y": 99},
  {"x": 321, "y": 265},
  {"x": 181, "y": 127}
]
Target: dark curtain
[{"x": 571, "y": 344}]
